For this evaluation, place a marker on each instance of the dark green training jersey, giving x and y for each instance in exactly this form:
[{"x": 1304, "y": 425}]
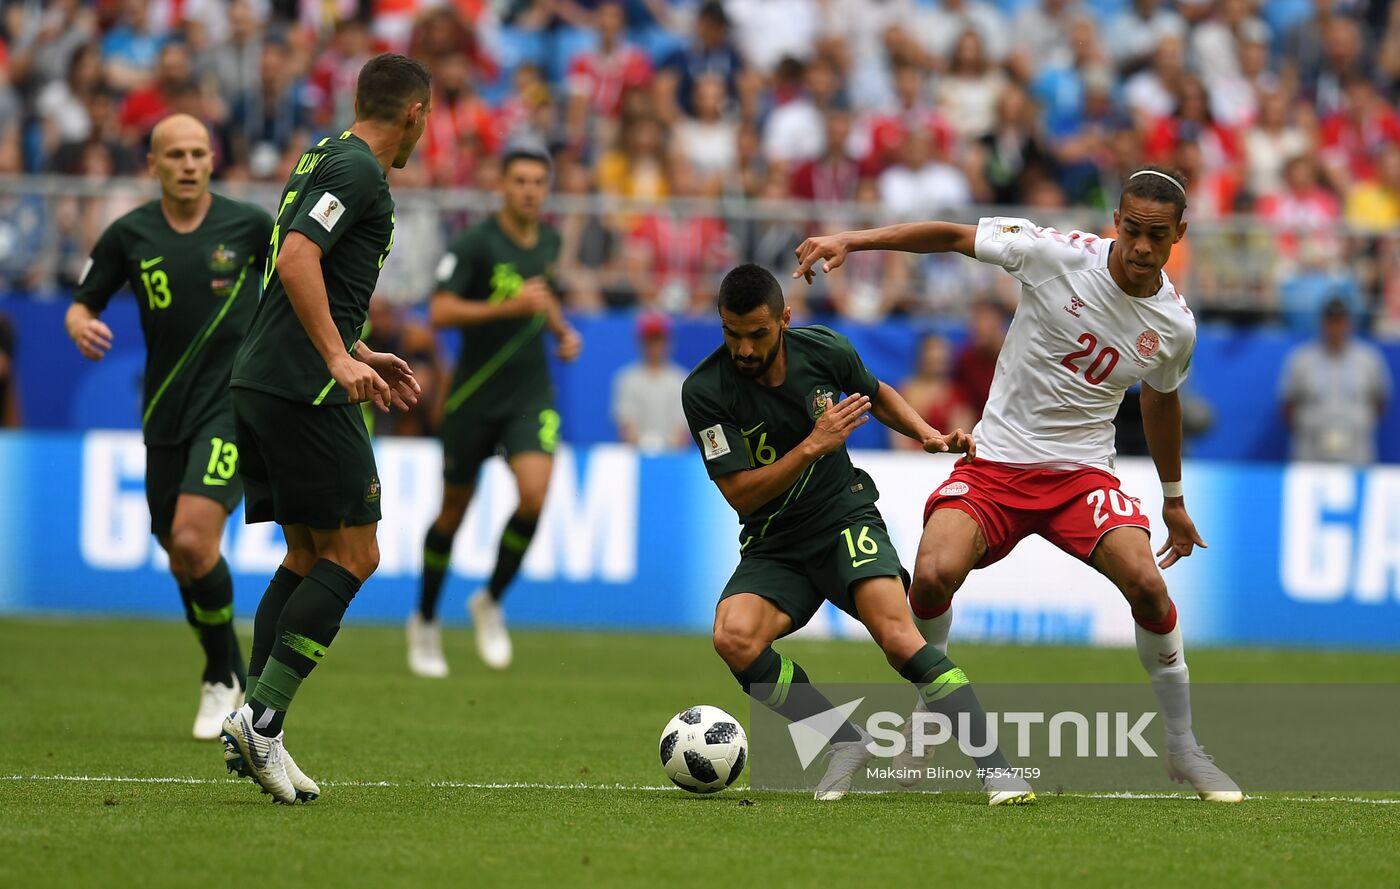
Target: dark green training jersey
[
  {"x": 501, "y": 362},
  {"x": 338, "y": 197},
  {"x": 739, "y": 424},
  {"x": 196, "y": 293}
]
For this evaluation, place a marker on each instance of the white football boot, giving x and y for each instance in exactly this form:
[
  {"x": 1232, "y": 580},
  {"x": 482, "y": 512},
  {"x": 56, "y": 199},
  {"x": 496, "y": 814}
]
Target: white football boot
[
  {"x": 844, "y": 759},
  {"x": 216, "y": 701},
  {"x": 307, "y": 790},
  {"x": 252, "y": 755},
  {"x": 1008, "y": 790},
  {"x": 1194, "y": 765},
  {"x": 489, "y": 625},
  {"x": 425, "y": 647},
  {"x": 910, "y": 769}
]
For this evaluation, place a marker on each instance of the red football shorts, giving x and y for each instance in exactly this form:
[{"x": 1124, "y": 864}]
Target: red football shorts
[{"x": 1071, "y": 508}]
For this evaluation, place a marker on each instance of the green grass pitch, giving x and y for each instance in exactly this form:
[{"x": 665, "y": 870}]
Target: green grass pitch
[{"x": 547, "y": 774}]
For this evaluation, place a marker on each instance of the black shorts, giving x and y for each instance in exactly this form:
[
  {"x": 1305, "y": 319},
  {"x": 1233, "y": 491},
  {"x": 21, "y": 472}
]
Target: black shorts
[
  {"x": 798, "y": 577},
  {"x": 470, "y": 438},
  {"x": 206, "y": 464},
  {"x": 304, "y": 464}
]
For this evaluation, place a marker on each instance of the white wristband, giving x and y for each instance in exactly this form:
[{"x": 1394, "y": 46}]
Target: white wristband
[{"x": 1172, "y": 489}]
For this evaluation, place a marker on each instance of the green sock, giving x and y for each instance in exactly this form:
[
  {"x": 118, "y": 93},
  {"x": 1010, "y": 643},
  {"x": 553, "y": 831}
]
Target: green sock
[
  {"x": 308, "y": 625},
  {"x": 211, "y": 605},
  {"x": 792, "y": 695},
  {"x": 437, "y": 552},
  {"x": 515, "y": 540},
  {"x": 945, "y": 689},
  {"x": 284, "y": 582}
]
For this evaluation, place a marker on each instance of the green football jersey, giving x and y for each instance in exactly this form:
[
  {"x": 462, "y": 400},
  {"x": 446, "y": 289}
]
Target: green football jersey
[
  {"x": 740, "y": 424},
  {"x": 338, "y": 196},
  {"x": 196, "y": 294},
  {"x": 501, "y": 362}
]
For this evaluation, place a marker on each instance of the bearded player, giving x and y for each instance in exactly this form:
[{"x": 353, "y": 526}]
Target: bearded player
[{"x": 1097, "y": 315}]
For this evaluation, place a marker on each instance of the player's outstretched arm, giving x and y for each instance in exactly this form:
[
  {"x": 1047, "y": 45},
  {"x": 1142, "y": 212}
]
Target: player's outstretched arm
[
  {"x": 92, "y": 337},
  {"x": 890, "y": 408},
  {"x": 909, "y": 237},
  {"x": 449, "y": 309},
  {"x": 748, "y": 489},
  {"x": 299, "y": 269},
  {"x": 1161, "y": 424}
]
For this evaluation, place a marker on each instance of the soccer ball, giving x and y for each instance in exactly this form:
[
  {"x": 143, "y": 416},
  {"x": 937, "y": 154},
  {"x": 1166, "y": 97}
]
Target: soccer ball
[{"x": 703, "y": 749}]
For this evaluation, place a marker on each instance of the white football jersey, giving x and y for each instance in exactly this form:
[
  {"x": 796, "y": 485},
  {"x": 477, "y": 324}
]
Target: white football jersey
[{"x": 1076, "y": 344}]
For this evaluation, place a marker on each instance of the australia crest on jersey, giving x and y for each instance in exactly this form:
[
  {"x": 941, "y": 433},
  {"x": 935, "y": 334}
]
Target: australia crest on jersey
[
  {"x": 1147, "y": 343},
  {"x": 819, "y": 398},
  {"x": 223, "y": 260}
]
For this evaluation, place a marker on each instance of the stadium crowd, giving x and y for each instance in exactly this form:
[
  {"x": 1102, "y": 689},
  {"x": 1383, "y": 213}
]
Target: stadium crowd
[{"x": 1283, "y": 110}]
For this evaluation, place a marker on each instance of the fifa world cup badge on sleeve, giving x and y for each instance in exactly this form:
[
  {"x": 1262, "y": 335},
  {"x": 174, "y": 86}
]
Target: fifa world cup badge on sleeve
[{"x": 715, "y": 444}]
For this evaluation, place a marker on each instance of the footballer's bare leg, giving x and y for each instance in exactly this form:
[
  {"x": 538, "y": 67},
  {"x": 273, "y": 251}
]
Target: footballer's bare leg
[
  {"x": 206, "y": 589},
  {"x": 951, "y": 546},
  {"x": 1124, "y": 556},
  {"x": 943, "y": 688}
]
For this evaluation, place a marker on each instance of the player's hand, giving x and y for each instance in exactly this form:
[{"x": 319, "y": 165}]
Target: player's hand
[
  {"x": 829, "y": 250},
  {"x": 360, "y": 381},
  {"x": 534, "y": 298},
  {"x": 838, "y": 421},
  {"x": 92, "y": 337},
  {"x": 568, "y": 345},
  {"x": 1182, "y": 536},
  {"x": 394, "y": 371},
  {"x": 956, "y": 442}
]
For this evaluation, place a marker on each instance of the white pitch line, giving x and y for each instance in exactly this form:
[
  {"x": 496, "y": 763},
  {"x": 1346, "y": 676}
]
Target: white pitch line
[{"x": 540, "y": 785}]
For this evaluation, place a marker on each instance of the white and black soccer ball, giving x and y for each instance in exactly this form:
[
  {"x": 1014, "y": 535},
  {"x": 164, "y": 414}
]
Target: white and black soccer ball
[{"x": 703, "y": 749}]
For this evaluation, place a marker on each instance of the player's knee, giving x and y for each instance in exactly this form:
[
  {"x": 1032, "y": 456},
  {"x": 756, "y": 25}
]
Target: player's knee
[
  {"x": 1146, "y": 592},
  {"x": 192, "y": 552},
  {"x": 932, "y": 586},
  {"x": 737, "y": 646},
  {"x": 366, "y": 560}
]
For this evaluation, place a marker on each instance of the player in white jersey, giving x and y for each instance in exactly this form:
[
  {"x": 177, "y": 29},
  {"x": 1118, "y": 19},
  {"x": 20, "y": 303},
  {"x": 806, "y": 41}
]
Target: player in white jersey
[{"x": 1097, "y": 315}]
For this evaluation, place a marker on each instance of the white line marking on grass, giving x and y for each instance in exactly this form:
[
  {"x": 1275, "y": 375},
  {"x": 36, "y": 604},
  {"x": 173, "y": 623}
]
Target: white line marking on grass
[{"x": 541, "y": 785}]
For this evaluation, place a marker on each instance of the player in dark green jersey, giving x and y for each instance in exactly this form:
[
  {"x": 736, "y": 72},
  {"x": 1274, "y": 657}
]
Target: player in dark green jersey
[
  {"x": 297, "y": 384},
  {"x": 768, "y": 414},
  {"x": 193, "y": 260},
  {"x": 496, "y": 284}
]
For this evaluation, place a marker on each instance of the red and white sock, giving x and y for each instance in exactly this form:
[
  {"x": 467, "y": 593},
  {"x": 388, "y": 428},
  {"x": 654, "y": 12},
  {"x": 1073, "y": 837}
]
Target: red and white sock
[
  {"x": 1163, "y": 656},
  {"x": 934, "y": 624}
]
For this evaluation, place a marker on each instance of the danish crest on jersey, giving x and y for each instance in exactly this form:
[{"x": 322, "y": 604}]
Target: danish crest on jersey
[
  {"x": 1147, "y": 343},
  {"x": 953, "y": 489},
  {"x": 223, "y": 260},
  {"x": 820, "y": 396}
]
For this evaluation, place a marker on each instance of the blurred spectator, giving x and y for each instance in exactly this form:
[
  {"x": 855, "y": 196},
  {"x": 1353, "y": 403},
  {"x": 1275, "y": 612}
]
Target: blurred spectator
[
  {"x": 932, "y": 392},
  {"x": 1304, "y": 208},
  {"x": 833, "y": 177},
  {"x": 1351, "y": 137},
  {"x": 460, "y": 130},
  {"x": 938, "y": 28},
  {"x": 710, "y": 54},
  {"x": 130, "y": 46},
  {"x": 636, "y": 167},
  {"x": 1043, "y": 32},
  {"x": 43, "y": 39},
  {"x": 1340, "y": 61},
  {"x": 709, "y": 140},
  {"x": 886, "y": 132},
  {"x": 1153, "y": 91},
  {"x": 1334, "y": 391},
  {"x": 331, "y": 83},
  {"x": 62, "y": 105},
  {"x": 1134, "y": 34},
  {"x": 10, "y": 415},
  {"x": 977, "y": 362},
  {"x": 1215, "y": 42},
  {"x": 1375, "y": 205},
  {"x": 676, "y": 255},
  {"x": 1012, "y": 151},
  {"x": 768, "y": 31},
  {"x": 923, "y": 184},
  {"x": 794, "y": 131},
  {"x": 1268, "y": 145},
  {"x": 271, "y": 121},
  {"x": 646, "y": 396},
  {"x": 598, "y": 77},
  {"x": 146, "y": 105},
  {"x": 967, "y": 93}
]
